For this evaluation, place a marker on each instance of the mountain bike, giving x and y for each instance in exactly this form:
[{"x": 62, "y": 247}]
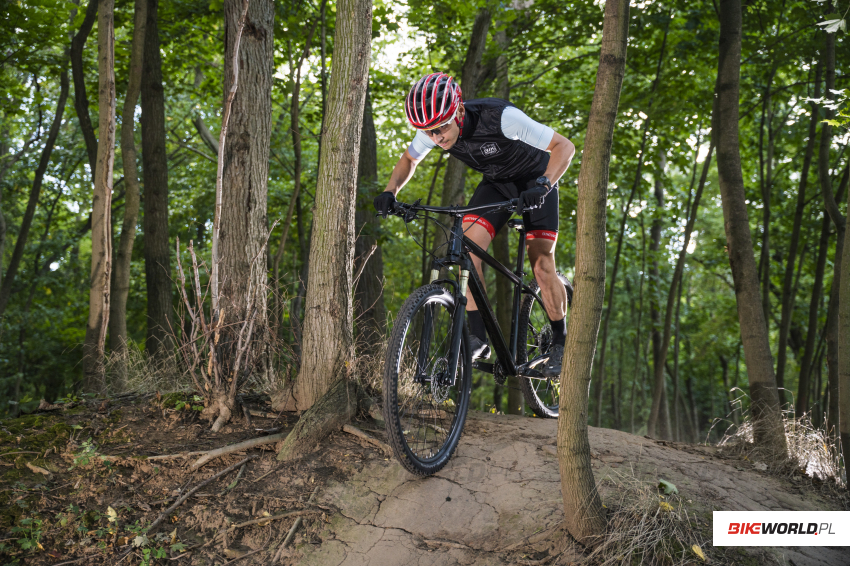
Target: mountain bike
[{"x": 428, "y": 369}]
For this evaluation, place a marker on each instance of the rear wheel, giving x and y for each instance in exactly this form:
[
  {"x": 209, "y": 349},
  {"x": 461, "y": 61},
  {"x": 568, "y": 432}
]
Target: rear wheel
[
  {"x": 535, "y": 339},
  {"x": 424, "y": 406}
]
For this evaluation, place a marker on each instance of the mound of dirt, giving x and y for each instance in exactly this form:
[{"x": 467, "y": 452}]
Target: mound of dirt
[{"x": 76, "y": 485}]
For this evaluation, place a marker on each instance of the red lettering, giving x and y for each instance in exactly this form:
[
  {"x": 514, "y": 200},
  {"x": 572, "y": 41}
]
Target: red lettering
[{"x": 734, "y": 529}]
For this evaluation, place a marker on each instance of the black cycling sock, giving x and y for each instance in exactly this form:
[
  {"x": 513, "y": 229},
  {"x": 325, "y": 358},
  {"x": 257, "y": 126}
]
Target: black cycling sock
[
  {"x": 559, "y": 331},
  {"x": 476, "y": 325}
]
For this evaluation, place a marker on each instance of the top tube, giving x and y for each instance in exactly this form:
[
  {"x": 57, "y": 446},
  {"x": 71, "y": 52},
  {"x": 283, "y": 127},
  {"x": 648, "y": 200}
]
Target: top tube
[{"x": 400, "y": 208}]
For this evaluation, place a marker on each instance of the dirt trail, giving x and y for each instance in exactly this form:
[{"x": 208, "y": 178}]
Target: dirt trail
[{"x": 498, "y": 500}]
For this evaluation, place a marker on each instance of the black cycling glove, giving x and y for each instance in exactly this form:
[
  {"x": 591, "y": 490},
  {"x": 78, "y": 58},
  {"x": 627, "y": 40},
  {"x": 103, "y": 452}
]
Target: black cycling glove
[
  {"x": 532, "y": 199},
  {"x": 384, "y": 203}
]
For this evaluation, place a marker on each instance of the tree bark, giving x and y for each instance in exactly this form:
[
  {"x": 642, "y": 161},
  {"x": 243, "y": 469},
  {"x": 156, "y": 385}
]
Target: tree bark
[
  {"x": 369, "y": 310},
  {"x": 806, "y": 365},
  {"x": 327, "y": 350},
  {"x": 787, "y": 312},
  {"x": 663, "y": 418},
  {"x": 832, "y": 323},
  {"x": 155, "y": 198},
  {"x": 767, "y": 420},
  {"x": 844, "y": 350},
  {"x": 584, "y": 514},
  {"x": 124, "y": 253},
  {"x": 101, "y": 229},
  {"x": 244, "y": 220},
  {"x": 81, "y": 99},
  {"x": 455, "y": 175},
  {"x": 600, "y": 380},
  {"x": 35, "y": 192},
  {"x": 658, "y": 389},
  {"x": 638, "y": 327}
]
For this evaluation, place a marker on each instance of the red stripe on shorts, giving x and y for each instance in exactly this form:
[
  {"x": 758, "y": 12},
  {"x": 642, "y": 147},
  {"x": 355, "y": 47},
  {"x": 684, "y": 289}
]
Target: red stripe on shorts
[
  {"x": 471, "y": 218},
  {"x": 542, "y": 235}
]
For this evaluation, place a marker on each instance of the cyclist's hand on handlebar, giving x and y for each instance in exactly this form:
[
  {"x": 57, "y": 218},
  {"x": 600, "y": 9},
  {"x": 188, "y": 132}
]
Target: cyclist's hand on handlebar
[{"x": 384, "y": 203}]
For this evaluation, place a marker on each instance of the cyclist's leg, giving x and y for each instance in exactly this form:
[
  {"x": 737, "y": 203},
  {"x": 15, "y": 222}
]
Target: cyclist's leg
[
  {"x": 542, "y": 226},
  {"x": 482, "y": 229}
]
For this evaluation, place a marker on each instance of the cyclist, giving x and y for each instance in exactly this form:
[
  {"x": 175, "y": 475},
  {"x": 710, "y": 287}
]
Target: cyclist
[{"x": 519, "y": 158}]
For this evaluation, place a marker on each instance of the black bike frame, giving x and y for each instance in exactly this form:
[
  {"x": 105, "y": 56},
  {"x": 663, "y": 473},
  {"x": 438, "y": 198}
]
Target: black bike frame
[{"x": 505, "y": 351}]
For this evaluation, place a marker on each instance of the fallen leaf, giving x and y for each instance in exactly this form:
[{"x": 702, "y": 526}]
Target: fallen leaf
[
  {"x": 174, "y": 536},
  {"x": 698, "y": 551},
  {"x": 111, "y": 515},
  {"x": 140, "y": 540},
  {"x": 665, "y": 506},
  {"x": 760, "y": 466},
  {"x": 667, "y": 487}
]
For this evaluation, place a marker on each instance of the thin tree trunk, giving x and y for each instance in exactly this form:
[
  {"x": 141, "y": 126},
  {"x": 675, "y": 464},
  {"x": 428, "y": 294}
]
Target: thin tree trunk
[
  {"x": 663, "y": 420},
  {"x": 806, "y": 365},
  {"x": 658, "y": 394},
  {"x": 787, "y": 295},
  {"x": 155, "y": 198},
  {"x": 638, "y": 327},
  {"x": 81, "y": 99},
  {"x": 600, "y": 379},
  {"x": 370, "y": 313},
  {"x": 832, "y": 344},
  {"x": 124, "y": 253},
  {"x": 101, "y": 229},
  {"x": 426, "y": 268},
  {"x": 767, "y": 420},
  {"x": 455, "y": 175},
  {"x": 584, "y": 515},
  {"x": 328, "y": 343},
  {"x": 295, "y": 130},
  {"x": 676, "y": 393},
  {"x": 766, "y": 190},
  {"x": 35, "y": 192},
  {"x": 844, "y": 351}
]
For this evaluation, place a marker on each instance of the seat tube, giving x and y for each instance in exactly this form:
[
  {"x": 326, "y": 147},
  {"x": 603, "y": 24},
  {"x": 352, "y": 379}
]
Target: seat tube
[{"x": 520, "y": 262}]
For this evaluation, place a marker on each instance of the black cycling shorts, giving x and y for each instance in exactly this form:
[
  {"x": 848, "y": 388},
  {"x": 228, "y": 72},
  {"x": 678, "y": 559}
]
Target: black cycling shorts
[{"x": 539, "y": 223}]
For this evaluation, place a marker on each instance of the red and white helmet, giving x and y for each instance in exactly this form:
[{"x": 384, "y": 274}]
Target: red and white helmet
[{"x": 432, "y": 101}]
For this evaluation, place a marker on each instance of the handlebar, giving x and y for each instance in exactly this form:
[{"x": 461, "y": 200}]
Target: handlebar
[{"x": 404, "y": 210}]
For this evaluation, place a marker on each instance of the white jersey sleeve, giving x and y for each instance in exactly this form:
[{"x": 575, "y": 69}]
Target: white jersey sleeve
[
  {"x": 517, "y": 126},
  {"x": 420, "y": 146}
]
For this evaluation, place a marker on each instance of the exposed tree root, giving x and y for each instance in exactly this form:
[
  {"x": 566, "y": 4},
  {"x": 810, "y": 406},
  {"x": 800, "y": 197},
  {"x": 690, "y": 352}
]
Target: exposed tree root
[
  {"x": 328, "y": 414},
  {"x": 368, "y": 438},
  {"x": 238, "y": 447}
]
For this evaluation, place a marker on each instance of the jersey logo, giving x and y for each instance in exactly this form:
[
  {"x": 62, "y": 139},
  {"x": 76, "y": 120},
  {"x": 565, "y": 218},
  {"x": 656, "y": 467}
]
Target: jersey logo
[{"x": 489, "y": 149}]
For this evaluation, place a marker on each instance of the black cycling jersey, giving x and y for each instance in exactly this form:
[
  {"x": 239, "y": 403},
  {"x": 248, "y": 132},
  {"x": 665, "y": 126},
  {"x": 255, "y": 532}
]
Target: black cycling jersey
[{"x": 483, "y": 147}]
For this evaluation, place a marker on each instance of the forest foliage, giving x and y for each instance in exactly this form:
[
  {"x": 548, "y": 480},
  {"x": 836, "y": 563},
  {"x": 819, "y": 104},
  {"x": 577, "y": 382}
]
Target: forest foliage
[{"x": 661, "y": 141}]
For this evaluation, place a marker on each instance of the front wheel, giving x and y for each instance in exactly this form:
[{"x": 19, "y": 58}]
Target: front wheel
[
  {"x": 535, "y": 338},
  {"x": 424, "y": 405}
]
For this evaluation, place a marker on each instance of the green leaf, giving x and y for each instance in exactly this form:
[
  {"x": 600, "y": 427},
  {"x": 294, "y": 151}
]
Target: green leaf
[{"x": 666, "y": 487}]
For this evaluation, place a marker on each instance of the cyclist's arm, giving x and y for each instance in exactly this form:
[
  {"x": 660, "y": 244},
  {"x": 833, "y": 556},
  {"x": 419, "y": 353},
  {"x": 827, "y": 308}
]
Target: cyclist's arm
[
  {"x": 561, "y": 152},
  {"x": 402, "y": 172},
  {"x": 516, "y": 125}
]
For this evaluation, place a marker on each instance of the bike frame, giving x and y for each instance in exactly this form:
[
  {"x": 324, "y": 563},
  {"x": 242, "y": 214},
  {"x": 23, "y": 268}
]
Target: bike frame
[{"x": 506, "y": 351}]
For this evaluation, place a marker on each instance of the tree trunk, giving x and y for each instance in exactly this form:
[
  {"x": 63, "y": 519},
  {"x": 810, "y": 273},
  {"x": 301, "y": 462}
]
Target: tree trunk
[
  {"x": 81, "y": 99},
  {"x": 767, "y": 419},
  {"x": 662, "y": 420},
  {"x": 124, "y": 253},
  {"x": 101, "y": 228},
  {"x": 328, "y": 343},
  {"x": 844, "y": 351},
  {"x": 369, "y": 310},
  {"x": 244, "y": 220},
  {"x": 35, "y": 192},
  {"x": 453, "y": 179},
  {"x": 658, "y": 393},
  {"x": 155, "y": 198},
  {"x": 787, "y": 296},
  {"x": 600, "y": 380},
  {"x": 806, "y": 364},
  {"x": 637, "y": 364},
  {"x": 584, "y": 514}
]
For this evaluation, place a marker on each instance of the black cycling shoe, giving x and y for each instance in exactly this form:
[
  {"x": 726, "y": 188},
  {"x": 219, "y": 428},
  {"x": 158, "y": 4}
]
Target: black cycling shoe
[
  {"x": 552, "y": 367},
  {"x": 480, "y": 348}
]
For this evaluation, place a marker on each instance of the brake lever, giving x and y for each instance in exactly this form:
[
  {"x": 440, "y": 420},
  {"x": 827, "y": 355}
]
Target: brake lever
[{"x": 410, "y": 213}]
